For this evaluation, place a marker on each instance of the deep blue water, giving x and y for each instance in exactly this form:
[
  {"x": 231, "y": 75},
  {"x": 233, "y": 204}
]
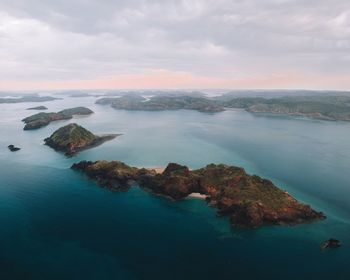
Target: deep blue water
[{"x": 57, "y": 224}]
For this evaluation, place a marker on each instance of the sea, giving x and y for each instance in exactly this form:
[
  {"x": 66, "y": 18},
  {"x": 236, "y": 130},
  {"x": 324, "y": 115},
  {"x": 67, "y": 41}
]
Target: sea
[{"x": 58, "y": 224}]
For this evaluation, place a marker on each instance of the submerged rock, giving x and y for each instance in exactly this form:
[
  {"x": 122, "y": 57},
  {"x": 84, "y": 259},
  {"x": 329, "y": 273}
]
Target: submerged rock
[
  {"x": 248, "y": 201},
  {"x": 73, "y": 138},
  {"x": 13, "y": 148},
  {"x": 331, "y": 243}
]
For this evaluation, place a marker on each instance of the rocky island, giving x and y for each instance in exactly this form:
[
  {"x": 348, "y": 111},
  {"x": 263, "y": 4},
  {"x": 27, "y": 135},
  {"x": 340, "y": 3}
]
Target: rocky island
[
  {"x": 43, "y": 119},
  {"x": 13, "y": 148},
  {"x": 73, "y": 138},
  {"x": 38, "y": 108},
  {"x": 248, "y": 200}
]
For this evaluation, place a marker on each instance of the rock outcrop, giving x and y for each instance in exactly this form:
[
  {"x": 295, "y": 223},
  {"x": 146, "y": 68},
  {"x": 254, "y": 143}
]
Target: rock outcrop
[{"x": 13, "y": 148}]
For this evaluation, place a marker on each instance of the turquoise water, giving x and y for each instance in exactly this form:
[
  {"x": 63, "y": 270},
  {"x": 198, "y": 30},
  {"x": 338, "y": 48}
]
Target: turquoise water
[{"x": 56, "y": 224}]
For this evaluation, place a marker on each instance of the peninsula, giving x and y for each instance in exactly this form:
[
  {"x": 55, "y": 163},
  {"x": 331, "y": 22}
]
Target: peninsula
[
  {"x": 73, "y": 138},
  {"x": 43, "y": 119},
  {"x": 248, "y": 200}
]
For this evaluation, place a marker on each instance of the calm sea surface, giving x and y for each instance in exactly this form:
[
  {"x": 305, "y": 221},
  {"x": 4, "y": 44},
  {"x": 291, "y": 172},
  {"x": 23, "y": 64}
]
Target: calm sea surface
[{"x": 57, "y": 224}]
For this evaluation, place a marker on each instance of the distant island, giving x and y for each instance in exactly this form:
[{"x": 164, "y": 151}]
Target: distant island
[
  {"x": 73, "y": 138},
  {"x": 30, "y": 98},
  {"x": 161, "y": 103},
  {"x": 326, "y": 107},
  {"x": 316, "y": 107},
  {"x": 43, "y": 119},
  {"x": 38, "y": 108},
  {"x": 248, "y": 201}
]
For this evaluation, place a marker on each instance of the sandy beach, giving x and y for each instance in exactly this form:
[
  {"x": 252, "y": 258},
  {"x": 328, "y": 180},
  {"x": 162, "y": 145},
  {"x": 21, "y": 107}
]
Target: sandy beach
[
  {"x": 197, "y": 195},
  {"x": 158, "y": 170}
]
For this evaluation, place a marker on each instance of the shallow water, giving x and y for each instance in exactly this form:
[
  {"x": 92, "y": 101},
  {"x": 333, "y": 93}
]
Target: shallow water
[{"x": 56, "y": 224}]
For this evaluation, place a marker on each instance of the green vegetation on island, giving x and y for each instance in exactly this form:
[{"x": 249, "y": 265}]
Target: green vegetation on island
[
  {"x": 248, "y": 201},
  {"x": 42, "y": 119},
  {"x": 73, "y": 138}
]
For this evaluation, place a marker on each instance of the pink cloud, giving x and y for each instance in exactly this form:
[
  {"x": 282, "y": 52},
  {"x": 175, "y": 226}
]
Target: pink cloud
[{"x": 163, "y": 79}]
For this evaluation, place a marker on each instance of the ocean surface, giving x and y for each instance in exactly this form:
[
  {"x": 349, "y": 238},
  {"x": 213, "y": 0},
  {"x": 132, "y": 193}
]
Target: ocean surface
[{"x": 57, "y": 224}]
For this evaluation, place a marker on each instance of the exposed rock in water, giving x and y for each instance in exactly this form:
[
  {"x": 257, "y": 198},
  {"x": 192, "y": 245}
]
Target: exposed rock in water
[
  {"x": 249, "y": 201},
  {"x": 38, "y": 108},
  {"x": 331, "y": 243},
  {"x": 43, "y": 119},
  {"x": 13, "y": 148},
  {"x": 73, "y": 138}
]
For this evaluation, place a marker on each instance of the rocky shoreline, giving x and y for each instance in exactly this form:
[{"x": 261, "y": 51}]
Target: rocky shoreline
[{"x": 248, "y": 200}]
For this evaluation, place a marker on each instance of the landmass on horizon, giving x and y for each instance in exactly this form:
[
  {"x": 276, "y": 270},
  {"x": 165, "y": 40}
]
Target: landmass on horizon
[{"x": 321, "y": 107}]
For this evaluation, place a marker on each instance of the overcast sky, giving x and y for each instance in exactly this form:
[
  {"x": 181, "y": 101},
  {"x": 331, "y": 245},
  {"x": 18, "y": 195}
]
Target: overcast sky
[{"x": 56, "y": 44}]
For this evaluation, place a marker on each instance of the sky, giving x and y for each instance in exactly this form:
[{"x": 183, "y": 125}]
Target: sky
[{"x": 173, "y": 44}]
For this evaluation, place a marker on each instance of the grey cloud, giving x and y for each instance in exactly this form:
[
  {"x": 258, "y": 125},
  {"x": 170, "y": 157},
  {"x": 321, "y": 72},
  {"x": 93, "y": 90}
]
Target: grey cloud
[{"x": 62, "y": 39}]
